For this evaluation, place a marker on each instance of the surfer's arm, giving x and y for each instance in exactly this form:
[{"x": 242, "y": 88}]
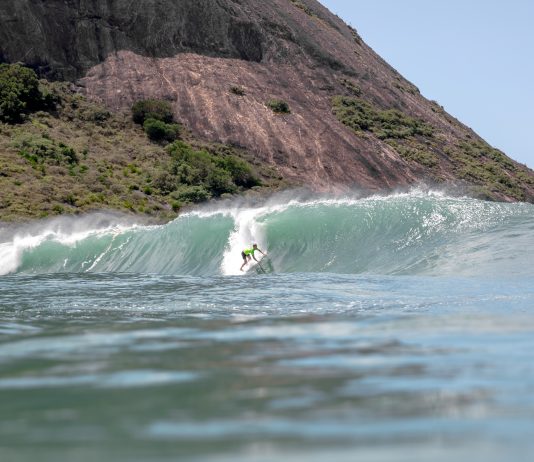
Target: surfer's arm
[{"x": 259, "y": 252}]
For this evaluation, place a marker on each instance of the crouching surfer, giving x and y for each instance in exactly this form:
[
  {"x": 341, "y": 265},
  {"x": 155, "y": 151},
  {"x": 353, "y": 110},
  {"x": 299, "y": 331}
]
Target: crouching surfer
[{"x": 248, "y": 254}]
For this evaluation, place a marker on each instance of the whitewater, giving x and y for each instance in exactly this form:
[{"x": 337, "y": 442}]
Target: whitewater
[
  {"x": 415, "y": 233},
  {"x": 391, "y": 327}
]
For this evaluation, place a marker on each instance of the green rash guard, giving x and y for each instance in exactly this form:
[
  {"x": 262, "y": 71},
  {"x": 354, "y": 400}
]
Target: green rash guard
[{"x": 249, "y": 252}]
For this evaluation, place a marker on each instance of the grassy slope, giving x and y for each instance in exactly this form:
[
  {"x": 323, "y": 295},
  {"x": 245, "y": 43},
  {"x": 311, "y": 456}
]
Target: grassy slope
[
  {"x": 117, "y": 165},
  {"x": 487, "y": 172}
]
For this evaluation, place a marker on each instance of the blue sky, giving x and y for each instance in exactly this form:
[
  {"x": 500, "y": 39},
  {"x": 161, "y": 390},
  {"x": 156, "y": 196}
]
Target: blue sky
[{"x": 475, "y": 57}]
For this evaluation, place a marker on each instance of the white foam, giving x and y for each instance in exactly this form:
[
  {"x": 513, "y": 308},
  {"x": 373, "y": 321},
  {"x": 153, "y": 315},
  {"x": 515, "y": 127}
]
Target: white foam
[
  {"x": 249, "y": 230},
  {"x": 66, "y": 231}
]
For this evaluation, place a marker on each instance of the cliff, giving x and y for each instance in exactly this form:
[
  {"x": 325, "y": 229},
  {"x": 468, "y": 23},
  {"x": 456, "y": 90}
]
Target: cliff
[{"x": 352, "y": 120}]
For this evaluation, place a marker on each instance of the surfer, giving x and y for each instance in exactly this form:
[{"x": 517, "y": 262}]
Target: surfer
[{"x": 248, "y": 254}]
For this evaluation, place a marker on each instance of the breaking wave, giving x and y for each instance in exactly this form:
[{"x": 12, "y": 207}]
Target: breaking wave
[{"x": 415, "y": 233}]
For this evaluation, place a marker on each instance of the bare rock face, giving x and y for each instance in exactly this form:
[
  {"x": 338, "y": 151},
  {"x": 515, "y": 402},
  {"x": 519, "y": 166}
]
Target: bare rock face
[
  {"x": 309, "y": 145},
  {"x": 192, "y": 52},
  {"x": 64, "y": 38}
]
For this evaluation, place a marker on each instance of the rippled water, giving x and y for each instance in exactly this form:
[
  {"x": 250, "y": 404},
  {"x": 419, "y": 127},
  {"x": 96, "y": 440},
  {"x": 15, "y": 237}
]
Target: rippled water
[
  {"x": 427, "y": 357},
  {"x": 276, "y": 367}
]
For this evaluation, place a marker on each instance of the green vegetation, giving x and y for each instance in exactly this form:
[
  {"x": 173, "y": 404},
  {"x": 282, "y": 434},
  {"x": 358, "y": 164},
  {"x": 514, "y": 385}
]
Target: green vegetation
[
  {"x": 492, "y": 174},
  {"x": 488, "y": 171},
  {"x": 482, "y": 165},
  {"x": 19, "y": 93},
  {"x": 80, "y": 157},
  {"x": 214, "y": 173},
  {"x": 361, "y": 116},
  {"x": 411, "y": 138},
  {"x": 157, "y": 119},
  {"x": 152, "y": 109},
  {"x": 415, "y": 153},
  {"x": 525, "y": 178},
  {"x": 43, "y": 150},
  {"x": 352, "y": 88},
  {"x": 157, "y": 130},
  {"x": 192, "y": 194},
  {"x": 278, "y": 106}
]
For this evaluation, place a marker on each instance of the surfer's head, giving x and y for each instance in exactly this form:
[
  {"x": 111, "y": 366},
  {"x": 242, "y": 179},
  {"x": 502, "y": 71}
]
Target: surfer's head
[{"x": 254, "y": 246}]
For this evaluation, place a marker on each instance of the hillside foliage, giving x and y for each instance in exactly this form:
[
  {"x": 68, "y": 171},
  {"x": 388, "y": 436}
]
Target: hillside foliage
[
  {"x": 78, "y": 157},
  {"x": 360, "y": 115},
  {"x": 19, "y": 93}
]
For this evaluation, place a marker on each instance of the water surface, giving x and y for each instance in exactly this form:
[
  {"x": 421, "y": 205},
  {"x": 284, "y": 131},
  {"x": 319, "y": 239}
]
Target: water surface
[{"x": 396, "y": 328}]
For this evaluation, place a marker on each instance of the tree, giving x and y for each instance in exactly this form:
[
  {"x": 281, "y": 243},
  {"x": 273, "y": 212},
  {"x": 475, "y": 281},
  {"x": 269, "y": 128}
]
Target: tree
[
  {"x": 152, "y": 109},
  {"x": 158, "y": 130},
  {"x": 19, "y": 92}
]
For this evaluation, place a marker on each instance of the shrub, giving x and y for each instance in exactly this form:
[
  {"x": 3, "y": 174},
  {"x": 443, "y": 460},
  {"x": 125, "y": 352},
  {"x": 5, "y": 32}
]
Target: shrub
[
  {"x": 211, "y": 174},
  {"x": 385, "y": 124},
  {"x": 173, "y": 132},
  {"x": 352, "y": 88},
  {"x": 191, "y": 166},
  {"x": 355, "y": 113},
  {"x": 176, "y": 206},
  {"x": 194, "y": 194},
  {"x": 166, "y": 183},
  {"x": 240, "y": 171},
  {"x": 152, "y": 109},
  {"x": 479, "y": 163},
  {"x": 278, "y": 106},
  {"x": 19, "y": 92},
  {"x": 93, "y": 114},
  {"x": 68, "y": 154},
  {"x": 396, "y": 124},
  {"x": 50, "y": 97},
  {"x": 416, "y": 154},
  {"x": 239, "y": 91},
  {"x": 127, "y": 204},
  {"x": 220, "y": 182},
  {"x": 70, "y": 199},
  {"x": 525, "y": 178},
  {"x": 42, "y": 150},
  {"x": 157, "y": 130}
]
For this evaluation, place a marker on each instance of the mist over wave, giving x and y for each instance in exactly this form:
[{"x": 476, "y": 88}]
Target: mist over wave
[{"x": 416, "y": 233}]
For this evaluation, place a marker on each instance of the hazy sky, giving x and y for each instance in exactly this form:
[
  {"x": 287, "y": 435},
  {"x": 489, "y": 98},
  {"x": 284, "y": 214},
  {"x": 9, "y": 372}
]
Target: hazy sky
[{"x": 475, "y": 57}]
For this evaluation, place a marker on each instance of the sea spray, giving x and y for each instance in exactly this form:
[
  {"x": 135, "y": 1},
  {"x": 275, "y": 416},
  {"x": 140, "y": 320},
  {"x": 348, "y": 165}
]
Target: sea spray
[
  {"x": 58, "y": 235},
  {"x": 415, "y": 233}
]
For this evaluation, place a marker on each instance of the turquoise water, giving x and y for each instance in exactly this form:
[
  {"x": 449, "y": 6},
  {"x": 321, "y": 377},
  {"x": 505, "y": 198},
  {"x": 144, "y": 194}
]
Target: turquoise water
[{"x": 393, "y": 328}]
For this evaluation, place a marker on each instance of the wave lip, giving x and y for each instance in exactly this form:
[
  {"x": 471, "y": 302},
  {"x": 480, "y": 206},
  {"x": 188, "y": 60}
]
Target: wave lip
[
  {"x": 412, "y": 233},
  {"x": 64, "y": 232}
]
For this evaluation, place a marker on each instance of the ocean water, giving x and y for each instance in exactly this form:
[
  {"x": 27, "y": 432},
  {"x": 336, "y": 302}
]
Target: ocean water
[{"x": 390, "y": 328}]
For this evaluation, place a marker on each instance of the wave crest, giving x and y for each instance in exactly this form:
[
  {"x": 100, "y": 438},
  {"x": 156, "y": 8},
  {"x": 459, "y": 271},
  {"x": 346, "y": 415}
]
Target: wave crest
[{"x": 413, "y": 233}]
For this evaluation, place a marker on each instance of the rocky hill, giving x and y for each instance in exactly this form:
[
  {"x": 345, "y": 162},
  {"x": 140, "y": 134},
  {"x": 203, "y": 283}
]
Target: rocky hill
[
  {"x": 69, "y": 155},
  {"x": 285, "y": 80}
]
